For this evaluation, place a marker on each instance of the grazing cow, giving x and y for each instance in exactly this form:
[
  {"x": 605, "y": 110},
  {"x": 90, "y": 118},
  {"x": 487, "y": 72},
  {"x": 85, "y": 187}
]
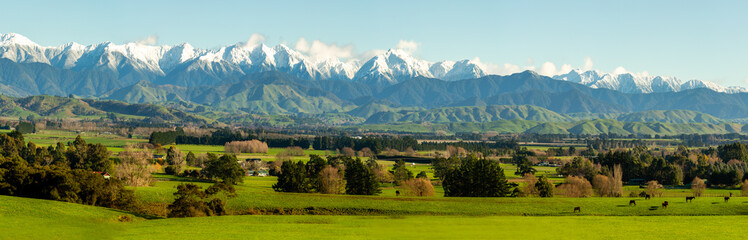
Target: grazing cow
[
  {"x": 397, "y": 193},
  {"x": 632, "y": 202},
  {"x": 578, "y": 209},
  {"x": 664, "y": 204},
  {"x": 689, "y": 199},
  {"x": 727, "y": 198},
  {"x": 646, "y": 197}
]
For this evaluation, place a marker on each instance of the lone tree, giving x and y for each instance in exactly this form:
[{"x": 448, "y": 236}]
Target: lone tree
[
  {"x": 524, "y": 166},
  {"x": 293, "y": 178},
  {"x": 134, "y": 168},
  {"x": 476, "y": 178},
  {"x": 192, "y": 201},
  {"x": 576, "y": 187},
  {"x": 653, "y": 188},
  {"x": 544, "y": 186},
  {"x": 360, "y": 179},
  {"x": 698, "y": 186},
  {"x": 225, "y": 169},
  {"x": 401, "y": 172},
  {"x": 420, "y": 187},
  {"x": 175, "y": 159}
]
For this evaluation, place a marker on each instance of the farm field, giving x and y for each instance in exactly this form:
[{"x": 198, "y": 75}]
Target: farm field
[
  {"x": 22, "y": 218},
  {"x": 256, "y": 193}
]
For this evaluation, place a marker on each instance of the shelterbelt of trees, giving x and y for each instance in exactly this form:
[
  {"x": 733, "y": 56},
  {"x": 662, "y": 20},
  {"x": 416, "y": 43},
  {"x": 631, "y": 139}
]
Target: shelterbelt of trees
[{"x": 375, "y": 144}]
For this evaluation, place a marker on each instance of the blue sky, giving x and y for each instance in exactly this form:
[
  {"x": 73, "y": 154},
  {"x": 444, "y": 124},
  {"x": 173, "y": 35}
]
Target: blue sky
[{"x": 705, "y": 40}]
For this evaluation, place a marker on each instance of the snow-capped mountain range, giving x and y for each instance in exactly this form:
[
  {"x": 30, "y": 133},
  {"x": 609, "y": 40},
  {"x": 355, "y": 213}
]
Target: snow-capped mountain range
[
  {"x": 133, "y": 62},
  {"x": 185, "y": 65},
  {"x": 640, "y": 83}
]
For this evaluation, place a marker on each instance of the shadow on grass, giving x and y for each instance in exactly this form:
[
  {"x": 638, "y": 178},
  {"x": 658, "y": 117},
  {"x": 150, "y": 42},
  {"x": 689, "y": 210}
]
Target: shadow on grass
[
  {"x": 653, "y": 208},
  {"x": 140, "y": 215}
]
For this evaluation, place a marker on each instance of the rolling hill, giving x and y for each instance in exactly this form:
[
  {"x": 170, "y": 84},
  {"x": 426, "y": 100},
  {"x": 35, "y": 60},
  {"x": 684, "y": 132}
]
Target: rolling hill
[{"x": 65, "y": 107}]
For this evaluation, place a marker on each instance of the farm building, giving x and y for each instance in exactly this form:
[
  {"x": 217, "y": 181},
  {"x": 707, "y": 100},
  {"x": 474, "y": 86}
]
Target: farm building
[{"x": 103, "y": 174}]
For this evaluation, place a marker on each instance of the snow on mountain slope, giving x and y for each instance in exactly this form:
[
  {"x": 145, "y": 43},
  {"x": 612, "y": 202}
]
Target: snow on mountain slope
[
  {"x": 640, "y": 83},
  {"x": 391, "y": 67}
]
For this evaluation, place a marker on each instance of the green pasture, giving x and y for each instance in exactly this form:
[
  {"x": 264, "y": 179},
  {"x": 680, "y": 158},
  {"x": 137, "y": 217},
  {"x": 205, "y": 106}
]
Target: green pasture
[
  {"x": 257, "y": 193},
  {"x": 22, "y": 218}
]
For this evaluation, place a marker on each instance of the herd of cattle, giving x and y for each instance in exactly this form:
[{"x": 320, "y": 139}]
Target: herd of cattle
[{"x": 664, "y": 204}]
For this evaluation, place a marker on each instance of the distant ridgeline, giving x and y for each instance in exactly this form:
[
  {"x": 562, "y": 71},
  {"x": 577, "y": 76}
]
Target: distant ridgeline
[{"x": 518, "y": 103}]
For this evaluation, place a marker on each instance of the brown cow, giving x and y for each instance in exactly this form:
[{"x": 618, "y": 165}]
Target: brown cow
[
  {"x": 690, "y": 199},
  {"x": 632, "y": 202},
  {"x": 727, "y": 198},
  {"x": 664, "y": 204},
  {"x": 578, "y": 209}
]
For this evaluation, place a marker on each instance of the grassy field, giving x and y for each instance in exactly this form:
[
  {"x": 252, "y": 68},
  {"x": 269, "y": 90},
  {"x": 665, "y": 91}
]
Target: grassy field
[
  {"x": 22, "y": 218},
  {"x": 256, "y": 193}
]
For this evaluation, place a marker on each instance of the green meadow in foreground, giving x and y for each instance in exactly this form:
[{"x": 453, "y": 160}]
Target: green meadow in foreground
[{"x": 23, "y": 218}]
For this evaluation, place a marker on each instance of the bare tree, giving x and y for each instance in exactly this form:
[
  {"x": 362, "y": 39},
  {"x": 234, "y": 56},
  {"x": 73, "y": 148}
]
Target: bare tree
[
  {"x": 653, "y": 188},
  {"x": 576, "y": 187},
  {"x": 134, "y": 168},
  {"x": 175, "y": 158},
  {"x": 616, "y": 181},
  {"x": 251, "y": 146},
  {"x": 419, "y": 187},
  {"x": 331, "y": 181},
  {"x": 529, "y": 189},
  {"x": 602, "y": 185},
  {"x": 698, "y": 186},
  {"x": 349, "y": 152},
  {"x": 744, "y": 189},
  {"x": 611, "y": 185}
]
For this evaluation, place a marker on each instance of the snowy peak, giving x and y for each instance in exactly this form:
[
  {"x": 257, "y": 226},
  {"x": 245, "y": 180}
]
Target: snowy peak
[
  {"x": 640, "y": 83},
  {"x": 15, "y": 39},
  {"x": 391, "y": 67}
]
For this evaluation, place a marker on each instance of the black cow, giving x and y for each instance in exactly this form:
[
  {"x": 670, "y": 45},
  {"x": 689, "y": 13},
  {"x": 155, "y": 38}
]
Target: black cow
[
  {"x": 727, "y": 198},
  {"x": 664, "y": 204},
  {"x": 690, "y": 199},
  {"x": 578, "y": 209},
  {"x": 632, "y": 202}
]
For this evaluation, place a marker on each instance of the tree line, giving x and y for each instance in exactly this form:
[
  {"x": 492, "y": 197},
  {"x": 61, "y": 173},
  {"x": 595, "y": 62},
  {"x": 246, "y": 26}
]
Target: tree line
[{"x": 70, "y": 173}]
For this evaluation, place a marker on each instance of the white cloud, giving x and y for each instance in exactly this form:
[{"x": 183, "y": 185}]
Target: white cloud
[
  {"x": 566, "y": 68},
  {"x": 499, "y": 69},
  {"x": 408, "y": 46},
  {"x": 620, "y": 70},
  {"x": 254, "y": 40},
  {"x": 547, "y": 69},
  {"x": 588, "y": 64},
  {"x": 150, "y": 40},
  {"x": 319, "y": 50}
]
